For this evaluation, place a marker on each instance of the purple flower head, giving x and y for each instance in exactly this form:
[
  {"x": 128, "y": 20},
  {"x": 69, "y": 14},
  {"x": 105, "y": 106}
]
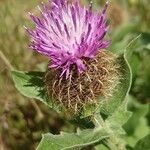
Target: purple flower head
[{"x": 67, "y": 33}]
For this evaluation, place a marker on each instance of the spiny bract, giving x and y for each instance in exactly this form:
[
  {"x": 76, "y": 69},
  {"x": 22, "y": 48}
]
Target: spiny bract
[{"x": 80, "y": 69}]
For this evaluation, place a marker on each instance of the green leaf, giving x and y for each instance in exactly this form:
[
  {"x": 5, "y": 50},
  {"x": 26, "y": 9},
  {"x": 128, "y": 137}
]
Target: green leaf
[
  {"x": 121, "y": 91},
  {"x": 118, "y": 119},
  {"x": 137, "y": 122},
  {"x": 101, "y": 147},
  {"x": 145, "y": 38},
  {"x": 139, "y": 111},
  {"x": 143, "y": 144},
  {"x": 115, "y": 121},
  {"x": 123, "y": 88},
  {"x": 72, "y": 141},
  {"x": 110, "y": 104},
  {"x": 113, "y": 124},
  {"x": 31, "y": 85},
  {"x": 109, "y": 128}
]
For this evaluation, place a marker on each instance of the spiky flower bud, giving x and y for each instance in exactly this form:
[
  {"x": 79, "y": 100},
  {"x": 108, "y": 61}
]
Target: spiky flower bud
[
  {"x": 79, "y": 90},
  {"x": 80, "y": 68}
]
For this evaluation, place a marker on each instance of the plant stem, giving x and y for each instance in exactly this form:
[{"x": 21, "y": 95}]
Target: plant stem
[
  {"x": 10, "y": 68},
  {"x": 6, "y": 61},
  {"x": 1, "y": 143},
  {"x": 98, "y": 120},
  {"x": 113, "y": 142}
]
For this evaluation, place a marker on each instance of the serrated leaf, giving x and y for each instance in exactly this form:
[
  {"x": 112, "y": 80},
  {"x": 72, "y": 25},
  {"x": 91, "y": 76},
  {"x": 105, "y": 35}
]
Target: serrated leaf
[
  {"x": 31, "y": 85},
  {"x": 143, "y": 144},
  {"x": 72, "y": 141}
]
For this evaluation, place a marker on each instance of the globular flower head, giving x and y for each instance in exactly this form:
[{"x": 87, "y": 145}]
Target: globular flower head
[
  {"x": 68, "y": 34},
  {"x": 81, "y": 69}
]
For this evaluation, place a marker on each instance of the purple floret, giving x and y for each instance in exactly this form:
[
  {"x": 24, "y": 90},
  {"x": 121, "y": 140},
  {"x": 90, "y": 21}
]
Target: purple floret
[{"x": 67, "y": 33}]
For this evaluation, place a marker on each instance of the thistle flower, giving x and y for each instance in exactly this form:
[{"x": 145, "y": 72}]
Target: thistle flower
[
  {"x": 68, "y": 33},
  {"x": 80, "y": 68}
]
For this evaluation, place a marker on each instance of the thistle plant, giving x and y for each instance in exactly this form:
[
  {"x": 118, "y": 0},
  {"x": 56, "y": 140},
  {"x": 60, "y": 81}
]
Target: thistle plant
[
  {"x": 80, "y": 69},
  {"x": 83, "y": 78}
]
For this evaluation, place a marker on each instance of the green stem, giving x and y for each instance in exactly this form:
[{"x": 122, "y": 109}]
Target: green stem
[
  {"x": 113, "y": 142},
  {"x": 98, "y": 120}
]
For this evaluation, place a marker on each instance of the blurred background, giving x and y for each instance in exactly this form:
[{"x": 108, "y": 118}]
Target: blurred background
[{"x": 23, "y": 121}]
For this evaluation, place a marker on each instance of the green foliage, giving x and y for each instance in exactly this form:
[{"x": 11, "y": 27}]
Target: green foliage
[
  {"x": 137, "y": 122},
  {"x": 111, "y": 127},
  {"x": 30, "y": 84},
  {"x": 101, "y": 147},
  {"x": 125, "y": 83},
  {"x": 72, "y": 141},
  {"x": 119, "y": 118},
  {"x": 143, "y": 144},
  {"x": 119, "y": 95}
]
